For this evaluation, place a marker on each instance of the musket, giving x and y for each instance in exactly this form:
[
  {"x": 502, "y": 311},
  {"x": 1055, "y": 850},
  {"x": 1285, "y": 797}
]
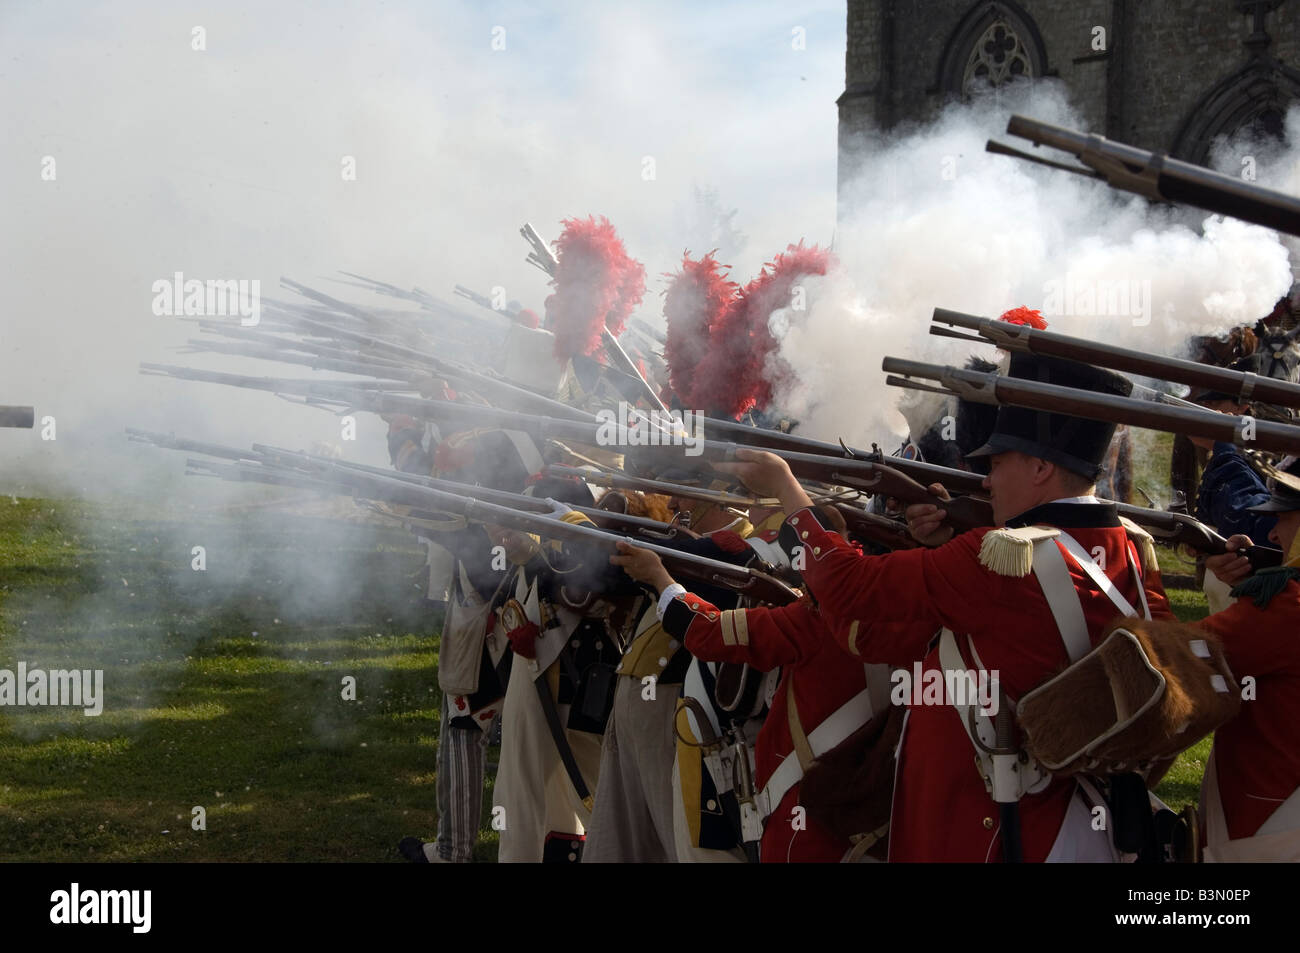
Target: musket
[
  {"x": 881, "y": 530},
  {"x": 371, "y": 396},
  {"x": 1020, "y": 337},
  {"x": 266, "y": 353},
  {"x": 999, "y": 389},
  {"x": 172, "y": 442},
  {"x": 485, "y": 302},
  {"x": 620, "y": 481},
  {"x": 1172, "y": 529},
  {"x": 965, "y": 512},
  {"x": 339, "y": 391},
  {"x": 412, "y": 490},
  {"x": 494, "y": 387},
  {"x": 350, "y": 392},
  {"x": 312, "y": 346},
  {"x": 957, "y": 481},
  {"x": 541, "y": 255},
  {"x": 333, "y": 304},
  {"x": 621, "y": 521},
  {"x": 1179, "y": 529},
  {"x": 317, "y": 465},
  {"x": 389, "y": 488},
  {"x": 545, "y": 259},
  {"x": 871, "y": 526},
  {"x": 20, "y": 417},
  {"x": 417, "y": 295},
  {"x": 1156, "y": 176},
  {"x": 374, "y": 325}
]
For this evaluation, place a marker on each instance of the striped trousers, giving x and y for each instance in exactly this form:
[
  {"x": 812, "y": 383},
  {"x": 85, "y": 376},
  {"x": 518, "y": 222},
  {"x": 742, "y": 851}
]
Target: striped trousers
[{"x": 461, "y": 758}]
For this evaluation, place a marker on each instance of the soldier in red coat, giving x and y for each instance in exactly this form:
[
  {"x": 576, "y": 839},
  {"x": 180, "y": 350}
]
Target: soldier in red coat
[
  {"x": 816, "y": 680},
  {"x": 1250, "y": 799},
  {"x": 979, "y": 586}
]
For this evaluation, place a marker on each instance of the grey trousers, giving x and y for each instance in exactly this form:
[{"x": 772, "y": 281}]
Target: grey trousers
[
  {"x": 461, "y": 758},
  {"x": 633, "y": 818}
]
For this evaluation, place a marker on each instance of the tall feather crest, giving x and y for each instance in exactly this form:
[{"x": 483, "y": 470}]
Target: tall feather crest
[
  {"x": 597, "y": 284},
  {"x": 695, "y": 301},
  {"x": 742, "y": 367}
]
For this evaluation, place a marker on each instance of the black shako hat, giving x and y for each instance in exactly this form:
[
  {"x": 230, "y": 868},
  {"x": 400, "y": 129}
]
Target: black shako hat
[
  {"x": 1283, "y": 487},
  {"x": 1077, "y": 444}
]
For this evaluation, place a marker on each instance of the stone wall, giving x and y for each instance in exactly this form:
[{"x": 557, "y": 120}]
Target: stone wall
[{"x": 1160, "y": 59}]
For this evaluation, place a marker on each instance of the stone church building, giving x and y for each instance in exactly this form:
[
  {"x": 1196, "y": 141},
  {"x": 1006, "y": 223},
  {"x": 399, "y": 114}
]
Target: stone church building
[{"x": 1165, "y": 75}]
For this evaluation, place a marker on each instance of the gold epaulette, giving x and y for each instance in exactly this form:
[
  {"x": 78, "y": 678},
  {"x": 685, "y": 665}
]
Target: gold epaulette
[{"x": 1010, "y": 552}]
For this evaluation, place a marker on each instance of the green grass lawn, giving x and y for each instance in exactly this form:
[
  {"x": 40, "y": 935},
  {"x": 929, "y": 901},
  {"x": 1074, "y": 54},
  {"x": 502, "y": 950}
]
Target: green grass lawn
[
  {"x": 1182, "y": 785},
  {"x": 223, "y": 687}
]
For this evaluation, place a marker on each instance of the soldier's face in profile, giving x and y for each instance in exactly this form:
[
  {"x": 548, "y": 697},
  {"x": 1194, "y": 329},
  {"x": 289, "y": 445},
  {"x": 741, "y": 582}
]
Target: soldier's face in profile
[
  {"x": 1011, "y": 484},
  {"x": 1284, "y": 533}
]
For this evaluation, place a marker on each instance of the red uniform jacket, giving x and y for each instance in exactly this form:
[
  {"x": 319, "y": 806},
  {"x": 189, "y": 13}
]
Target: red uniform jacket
[
  {"x": 942, "y": 811},
  {"x": 793, "y": 638},
  {"x": 1256, "y": 753}
]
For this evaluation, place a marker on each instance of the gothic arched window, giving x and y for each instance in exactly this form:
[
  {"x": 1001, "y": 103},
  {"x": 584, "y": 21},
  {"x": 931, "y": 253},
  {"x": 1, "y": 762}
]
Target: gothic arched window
[
  {"x": 993, "y": 44},
  {"x": 1253, "y": 100}
]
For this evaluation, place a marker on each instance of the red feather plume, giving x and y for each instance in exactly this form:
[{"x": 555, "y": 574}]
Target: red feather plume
[
  {"x": 597, "y": 285},
  {"x": 735, "y": 377},
  {"x": 694, "y": 302},
  {"x": 1023, "y": 315}
]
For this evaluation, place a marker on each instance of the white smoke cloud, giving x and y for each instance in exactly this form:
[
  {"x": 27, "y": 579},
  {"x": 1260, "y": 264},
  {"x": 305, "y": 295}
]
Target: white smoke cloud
[
  {"x": 227, "y": 162},
  {"x": 935, "y": 221}
]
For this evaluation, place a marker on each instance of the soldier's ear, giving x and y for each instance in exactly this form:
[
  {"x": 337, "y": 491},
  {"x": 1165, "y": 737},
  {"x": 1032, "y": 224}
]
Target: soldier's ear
[{"x": 1042, "y": 470}]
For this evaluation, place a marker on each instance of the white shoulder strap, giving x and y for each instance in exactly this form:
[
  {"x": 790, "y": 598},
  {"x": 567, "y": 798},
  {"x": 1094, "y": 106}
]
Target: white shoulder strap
[
  {"x": 1029, "y": 777},
  {"x": 834, "y": 728},
  {"x": 1054, "y": 576},
  {"x": 1089, "y": 566}
]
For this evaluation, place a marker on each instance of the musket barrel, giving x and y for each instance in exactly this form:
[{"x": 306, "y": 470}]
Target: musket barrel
[
  {"x": 1156, "y": 175},
  {"x": 957, "y": 480},
  {"x": 502, "y": 497},
  {"x": 479, "y": 511},
  {"x": 20, "y": 417},
  {"x": 621, "y": 481},
  {"x": 1192, "y": 373},
  {"x": 1035, "y": 395}
]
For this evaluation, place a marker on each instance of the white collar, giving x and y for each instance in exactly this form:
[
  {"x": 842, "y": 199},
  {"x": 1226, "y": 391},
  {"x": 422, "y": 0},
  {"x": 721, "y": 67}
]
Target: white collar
[{"x": 1078, "y": 499}]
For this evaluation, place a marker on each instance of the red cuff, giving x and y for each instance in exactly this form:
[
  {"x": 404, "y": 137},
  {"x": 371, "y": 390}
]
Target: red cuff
[{"x": 524, "y": 640}]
